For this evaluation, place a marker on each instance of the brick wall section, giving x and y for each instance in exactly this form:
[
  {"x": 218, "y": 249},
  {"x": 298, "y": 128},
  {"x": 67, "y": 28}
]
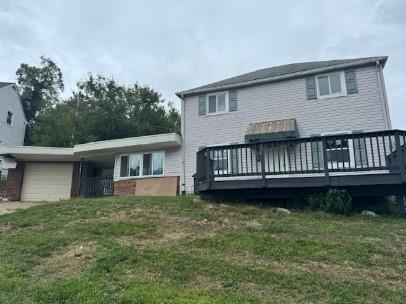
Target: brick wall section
[
  {"x": 74, "y": 192},
  {"x": 125, "y": 187},
  {"x": 155, "y": 186},
  {"x": 15, "y": 182}
]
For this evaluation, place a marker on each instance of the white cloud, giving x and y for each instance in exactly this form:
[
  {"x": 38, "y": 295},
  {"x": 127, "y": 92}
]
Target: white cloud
[{"x": 176, "y": 45}]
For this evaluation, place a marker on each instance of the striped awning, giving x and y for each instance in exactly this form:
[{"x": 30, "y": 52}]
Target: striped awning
[{"x": 271, "y": 130}]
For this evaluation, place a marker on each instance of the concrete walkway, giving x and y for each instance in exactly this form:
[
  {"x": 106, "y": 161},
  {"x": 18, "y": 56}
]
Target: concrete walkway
[{"x": 9, "y": 207}]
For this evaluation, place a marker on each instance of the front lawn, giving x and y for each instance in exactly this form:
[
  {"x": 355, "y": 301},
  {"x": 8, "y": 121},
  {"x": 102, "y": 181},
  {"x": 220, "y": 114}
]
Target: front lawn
[{"x": 175, "y": 250}]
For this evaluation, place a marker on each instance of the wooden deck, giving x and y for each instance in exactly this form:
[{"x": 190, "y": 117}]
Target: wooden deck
[{"x": 365, "y": 163}]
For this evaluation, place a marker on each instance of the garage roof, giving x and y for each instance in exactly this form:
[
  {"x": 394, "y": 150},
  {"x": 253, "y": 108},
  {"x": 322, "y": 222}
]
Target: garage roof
[
  {"x": 31, "y": 153},
  {"x": 98, "y": 148}
]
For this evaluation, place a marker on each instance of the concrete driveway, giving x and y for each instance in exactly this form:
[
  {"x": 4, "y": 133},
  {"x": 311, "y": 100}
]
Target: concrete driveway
[{"x": 9, "y": 207}]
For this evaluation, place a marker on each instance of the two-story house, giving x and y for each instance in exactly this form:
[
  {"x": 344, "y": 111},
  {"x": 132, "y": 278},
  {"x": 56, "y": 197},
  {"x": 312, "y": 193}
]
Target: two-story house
[
  {"x": 280, "y": 131},
  {"x": 12, "y": 119},
  {"x": 297, "y": 100}
]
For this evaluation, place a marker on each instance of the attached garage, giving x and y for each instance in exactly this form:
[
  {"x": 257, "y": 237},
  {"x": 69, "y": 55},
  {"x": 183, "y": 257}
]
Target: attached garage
[{"x": 47, "y": 181}]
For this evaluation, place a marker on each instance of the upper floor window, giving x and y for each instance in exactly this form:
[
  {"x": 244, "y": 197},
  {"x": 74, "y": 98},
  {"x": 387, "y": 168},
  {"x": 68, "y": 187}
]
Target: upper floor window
[
  {"x": 9, "y": 117},
  {"x": 330, "y": 85},
  {"x": 142, "y": 164},
  {"x": 217, "y": 103}
]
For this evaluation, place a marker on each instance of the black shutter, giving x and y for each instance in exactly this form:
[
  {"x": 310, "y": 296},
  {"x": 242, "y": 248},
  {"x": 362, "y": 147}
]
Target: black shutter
[
  {"x": 202, "y": 105},
  {"x": 232, "y": 101},
  {"x": 311, "y": 87},
  {"x": 351, "y": 82},
  {"x": 124, "y": 166}
]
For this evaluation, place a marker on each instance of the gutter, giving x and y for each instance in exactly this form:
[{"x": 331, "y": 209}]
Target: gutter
[
  {"x": 183, "y": 131},
  {"x": 279, "y": 78}
]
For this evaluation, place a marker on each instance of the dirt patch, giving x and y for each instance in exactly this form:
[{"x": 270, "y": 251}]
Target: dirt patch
[
  {"x": 68, "y": 261},
  {"x": 254, "y": 224},
  {"x": 205, "y": 282},
  {"x": 344, "y": 272},
  {"x": 10, "y": 207}
]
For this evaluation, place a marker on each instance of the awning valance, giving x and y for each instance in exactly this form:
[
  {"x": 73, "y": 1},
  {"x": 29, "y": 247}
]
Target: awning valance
[{"x": 271, "y": 130}]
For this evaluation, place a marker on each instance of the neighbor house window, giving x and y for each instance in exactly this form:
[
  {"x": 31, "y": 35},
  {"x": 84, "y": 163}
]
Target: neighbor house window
[
  {"x": 330, "y": 85},
  {"x": 9, "y": 118},
  {"x": 218, "y": 103},
  {"x": 142, "y": 164}
]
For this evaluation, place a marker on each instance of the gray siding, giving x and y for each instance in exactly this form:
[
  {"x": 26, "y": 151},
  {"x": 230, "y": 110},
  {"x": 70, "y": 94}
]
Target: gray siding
[
  {"x": 172, "y": 162},
  {"x": 14, "y": 134},
  {"x": 362, "y": 111}
]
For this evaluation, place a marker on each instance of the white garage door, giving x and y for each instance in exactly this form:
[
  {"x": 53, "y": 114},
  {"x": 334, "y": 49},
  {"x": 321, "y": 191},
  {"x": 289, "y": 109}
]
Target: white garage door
[{"x": 46, "y": 181}]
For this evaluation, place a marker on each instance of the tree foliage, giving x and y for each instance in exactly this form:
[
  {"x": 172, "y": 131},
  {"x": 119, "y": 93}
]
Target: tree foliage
[
  {"x": 100, "y": 109},
  {"x": 39, "y": 89}
]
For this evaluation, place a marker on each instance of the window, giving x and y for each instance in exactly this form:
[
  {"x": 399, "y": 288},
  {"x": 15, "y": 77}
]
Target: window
[
  {"x": 142, "y": 164},
  {"x": 330, "y": 85},
  {"x": 218, "y": 103},
  {"x": 338, "y": 152},
  {"x": 9, "y": 118}
]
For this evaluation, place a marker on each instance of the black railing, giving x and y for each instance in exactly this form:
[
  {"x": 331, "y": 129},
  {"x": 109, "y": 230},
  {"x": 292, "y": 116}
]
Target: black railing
[
  {"x": 355, "y": 152},
  {"x": 97, "y": 186}
]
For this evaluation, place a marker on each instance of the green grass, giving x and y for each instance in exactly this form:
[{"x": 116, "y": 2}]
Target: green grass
[{"x": 177, "y": 250}]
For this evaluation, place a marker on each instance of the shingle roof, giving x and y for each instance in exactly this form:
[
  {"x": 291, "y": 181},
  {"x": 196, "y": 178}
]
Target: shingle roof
[
  {"x": 5, "y": 84},
  {"x": 287, "y": 70}
]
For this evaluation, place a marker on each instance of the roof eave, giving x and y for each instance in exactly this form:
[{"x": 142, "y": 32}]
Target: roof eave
[{"x": 187, "y": 93}]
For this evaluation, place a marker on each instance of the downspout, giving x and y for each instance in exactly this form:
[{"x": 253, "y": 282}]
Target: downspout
[
  {"x": 382, "y": 91},
  {"x": 183, "y": 131}
]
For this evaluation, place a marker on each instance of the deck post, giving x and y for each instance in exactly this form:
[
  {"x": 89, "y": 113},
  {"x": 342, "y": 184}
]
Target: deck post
[
  {"x": 400, "y": 156},
  {"x": 263, "y": 173},
  {"x": 325, "y": 161},
  {"x": 208, "y": 170}
]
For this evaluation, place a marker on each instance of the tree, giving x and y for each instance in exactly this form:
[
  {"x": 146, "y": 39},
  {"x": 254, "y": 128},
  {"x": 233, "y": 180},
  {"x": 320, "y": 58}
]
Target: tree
[
  {"x": 102, "y": 109},
  {"x": 39, "y": 89}
]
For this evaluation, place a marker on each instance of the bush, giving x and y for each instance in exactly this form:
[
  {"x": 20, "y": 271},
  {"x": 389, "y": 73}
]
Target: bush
[
  {"x": 315, "y": 201},
  {"x": 334, "y": 201}
]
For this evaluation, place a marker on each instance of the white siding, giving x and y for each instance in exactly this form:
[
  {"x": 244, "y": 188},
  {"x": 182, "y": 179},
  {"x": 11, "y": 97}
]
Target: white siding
[
  {"x": 281, "y": 100},
  {"x": 172, "y": 162},
  {"x": 14, "y": 134}
]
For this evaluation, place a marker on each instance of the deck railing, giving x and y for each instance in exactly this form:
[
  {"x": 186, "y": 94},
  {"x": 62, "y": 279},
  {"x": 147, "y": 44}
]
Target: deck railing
[{"x": 334, "y": 154}]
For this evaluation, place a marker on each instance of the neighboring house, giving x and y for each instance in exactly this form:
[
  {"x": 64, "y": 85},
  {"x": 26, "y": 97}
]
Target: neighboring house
[
  {"x": 295, "y": 100},
  {"x": 12, "y": 118}
]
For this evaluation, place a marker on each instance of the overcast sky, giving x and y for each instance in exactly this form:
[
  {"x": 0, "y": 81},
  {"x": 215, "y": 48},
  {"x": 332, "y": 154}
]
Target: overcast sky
[{"x": 177, "y": 45}]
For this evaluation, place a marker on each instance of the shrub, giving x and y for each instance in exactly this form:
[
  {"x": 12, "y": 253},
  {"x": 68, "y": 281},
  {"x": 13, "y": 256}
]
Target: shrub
[
  {"x": 334, "y": 201},
  {"x": 315, "y": 201},
  {"x": 337, "y": 201}
]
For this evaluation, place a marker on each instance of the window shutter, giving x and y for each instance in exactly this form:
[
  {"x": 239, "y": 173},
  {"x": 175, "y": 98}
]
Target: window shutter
[
  {"x": 317, "y": 155},
  {"x": 232, "y": 101},
  {"x": 124, "y": 166},
  {"x": 351, "y": 82},
  {"x": 311, "y": 87},
  {"x": 202, "y": 105}
]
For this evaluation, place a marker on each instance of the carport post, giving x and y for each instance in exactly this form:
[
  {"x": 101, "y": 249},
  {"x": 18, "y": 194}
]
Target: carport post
[{"x": 80, "y": 175}]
